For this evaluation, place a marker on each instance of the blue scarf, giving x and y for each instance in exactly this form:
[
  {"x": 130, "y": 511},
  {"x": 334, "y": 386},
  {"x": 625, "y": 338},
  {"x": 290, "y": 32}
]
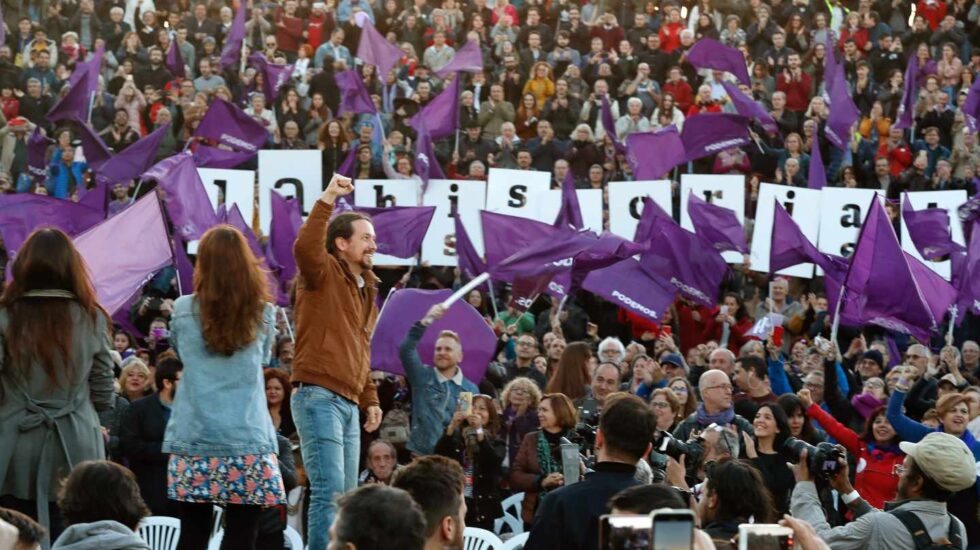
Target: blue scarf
[{"x": 722, "y": 418}]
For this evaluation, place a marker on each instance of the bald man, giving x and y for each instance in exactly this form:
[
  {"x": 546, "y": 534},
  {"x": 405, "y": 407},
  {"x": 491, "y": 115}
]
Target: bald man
[
  {"x": 924, "y": 392},
  {"x": 716, "y": 407}
]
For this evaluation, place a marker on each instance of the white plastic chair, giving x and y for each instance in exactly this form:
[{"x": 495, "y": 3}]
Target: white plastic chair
[
  {"x": 293, "y": 539},
  {"x": 215, "y": 542},
  {"x": 516, "y": 542},
  {"x": 160, "y": 532},
  {"x": 480, "y": 539},
  {"x": 511, "y": 518},
  {"x": 216, "y": 516}
]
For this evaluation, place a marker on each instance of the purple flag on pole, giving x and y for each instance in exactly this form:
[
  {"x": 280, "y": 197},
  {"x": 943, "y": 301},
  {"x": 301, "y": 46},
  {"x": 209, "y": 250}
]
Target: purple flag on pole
[
  {"x": 90, "y": 67},
  {"x": 684, "y": 259},
  {"x": 441, "y": 115},
  {"x": 718, "y": 225},
  {"x": 710, "y": 133},
  {"x": 185, "y": 270},
  {"x": 96, "y": 151},
  {"x": 37, "y": 150},
  {"x": 708, "y": 53},
  {"x": 609, "y": 125},
  {"x": 505, "y": 235},
  {"x": 74, "y": 105},
  {"x": 140, "y": 247},
  {"x": 132, "y": 161},
  {"x": 346, "y": 168},
  {"x": 750, "y": 108},
  {"x": 274, "y": 76},
  {"x": 910, "y": 92},
  {"x": 652, "y": 154},
  {"x": 206, "y": 156},
  {"x": 470, "y": 263},
  {"x": 186, "y": 200},
  {"x": 468, "y": 59},
  {"x": 406, "y": 306},
  {"x": 881, "y": 287},
  {"x": 426, "y": 164},
  {"x": 894, "y": 355},
  {"x": 548, "y": 256},
  {"x": 817, "y": 178},
  {"x": 238, "y": 136},
  {"x": 790, "y": 247},
  {"x": 354, "y": 97},
  {"x": 627, "y": 285},
  {"x": 287, "y": 217},
  {"x": 374, "y": 49},
  {"x": 231, "y": 54},
  {"x": 929, "y": 230},
  {"x": 175, "y": 61},
  {"x": 842, "y": 111},
  {"x": 570, "y": 214},
  {"x": 969, "y": 288},
  {"x": 399, "y": 230},
  {"x": 22, "y": 213},
  {"x": 971, "y": 107}
]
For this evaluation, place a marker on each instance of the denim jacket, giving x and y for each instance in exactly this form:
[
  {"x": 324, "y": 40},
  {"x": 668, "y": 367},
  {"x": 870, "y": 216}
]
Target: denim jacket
[
  {"x": 433, "y": 401},
  {"x": 219, "y": 409}
]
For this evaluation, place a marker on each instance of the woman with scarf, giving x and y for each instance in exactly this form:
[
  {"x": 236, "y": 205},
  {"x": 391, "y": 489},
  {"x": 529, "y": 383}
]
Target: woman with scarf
[{"x": 521, "y": 397}]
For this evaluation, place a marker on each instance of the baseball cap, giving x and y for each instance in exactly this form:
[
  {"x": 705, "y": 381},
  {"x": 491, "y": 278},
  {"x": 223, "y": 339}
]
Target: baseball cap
[
  {"x": 673, "y": 359},
  {"x": 950, "y": 379},
  {"x": 945, "y": 459}
]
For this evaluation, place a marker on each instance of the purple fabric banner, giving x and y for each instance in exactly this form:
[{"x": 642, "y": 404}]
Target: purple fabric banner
[
  {"x": 238, "y": 136},
  {"x": 570, "y": 213},
  {"x": 718, "y": 225},
  {"x": 274, "y": 76},
  {"x": 175, "y": 61},
  {"x": 468, "y": 59},
  {"x": 354, "y": 97},
  {"x": 750, "y": 108},
  {"x": 971, "y": 108},
  {"x": 426, "y": 164},
  {"x": 75, "y": 104},
  {"x": 842, "y": 113},
  {"x": 37, "y": 151},
  {"x": 441, "y": 115},
  {"x": 968, "y": 297},
  {"x": 910, "y": 92},
  {"x": 470, "y": 262},
  {"x": 287, "y": 217},
  {"x": 132, "y": 161},
  {"x": 708, "y": 53},
  {"x": 628, "y": 286},
  {"x": 710, "y": 133},
  {"x": 375, "y": 50},
  {"x": 929, "y": 230},
  {"x": 653, "y": 154},
  {"x": 96, "y": 151},
  {"x": 404, "y": 307},
  {"x": 140, "y": 247},
  {"x": 231, "y": 53},
  {"x": 399, "y": 230},
  {"x": 346, "y": 168},
  {"x": 609, "y": 125},
  {"x": 22, "y": 213},
  {"x": 817, "y": 178},
  {"x": 185, "y": 198}
]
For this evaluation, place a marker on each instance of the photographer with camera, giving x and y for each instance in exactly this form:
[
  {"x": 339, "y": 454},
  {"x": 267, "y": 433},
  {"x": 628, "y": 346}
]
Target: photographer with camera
[
  {"x": 934, "y": 469},
  {"x": 715, "y": 408}
]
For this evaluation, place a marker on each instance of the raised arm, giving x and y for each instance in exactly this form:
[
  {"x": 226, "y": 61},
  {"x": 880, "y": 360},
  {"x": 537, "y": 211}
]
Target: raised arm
[
  {"x": 310, "y": 249},
  {"x": 907, "y": 429}
]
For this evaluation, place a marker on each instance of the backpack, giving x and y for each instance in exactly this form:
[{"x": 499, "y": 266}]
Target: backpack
[
  {"x": 920, "y": 536},
  {"x": 396, "y": 427}
]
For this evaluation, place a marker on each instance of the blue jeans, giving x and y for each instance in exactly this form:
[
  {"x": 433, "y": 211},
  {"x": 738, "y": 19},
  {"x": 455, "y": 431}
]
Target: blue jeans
[{"x": 330, "y": 440}]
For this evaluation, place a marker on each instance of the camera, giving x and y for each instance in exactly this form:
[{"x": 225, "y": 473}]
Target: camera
[
  {"x": 822, "y": 459},
  {"x": 665, "y": 443}
]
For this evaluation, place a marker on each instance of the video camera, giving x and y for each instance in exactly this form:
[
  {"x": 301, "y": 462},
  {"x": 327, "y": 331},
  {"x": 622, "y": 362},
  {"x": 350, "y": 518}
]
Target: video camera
[{"x": 822, "y": 459}]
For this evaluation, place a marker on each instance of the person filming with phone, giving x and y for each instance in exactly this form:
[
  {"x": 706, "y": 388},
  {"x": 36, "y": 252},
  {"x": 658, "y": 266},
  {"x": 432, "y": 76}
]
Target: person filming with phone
[{"x": 436, "y": 389}]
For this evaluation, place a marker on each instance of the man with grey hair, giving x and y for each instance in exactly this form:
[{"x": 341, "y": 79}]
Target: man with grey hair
[
  {"x": 717, "y": 407},
  {"x": 925, "y": 390},
  {"x": 722, "y": 359},
  {"x": 971, "y": 360},
  {"x": 633, "y": 121},
  {"x": 611, "y": 350}
]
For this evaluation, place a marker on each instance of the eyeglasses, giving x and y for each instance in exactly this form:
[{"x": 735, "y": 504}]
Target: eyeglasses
[
  {"x": 681, "y": 390},
  {"x": 899, "y": 469},
  {"x": 874, "y": 384},
  {"x": 519, "y": 391},
  {"x": 528, "y": 344},
  {"x": 660, "y": 404}
]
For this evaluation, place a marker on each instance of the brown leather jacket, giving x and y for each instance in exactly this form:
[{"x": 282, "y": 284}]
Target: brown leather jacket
[{"x": 334, "y": 318}]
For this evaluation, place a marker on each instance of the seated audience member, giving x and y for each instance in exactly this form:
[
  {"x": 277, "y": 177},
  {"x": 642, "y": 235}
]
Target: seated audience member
[
  {"x": 382, "y": 463},
  {"x": 357, "y": 525},
  {"x": 436, "y": 484}
]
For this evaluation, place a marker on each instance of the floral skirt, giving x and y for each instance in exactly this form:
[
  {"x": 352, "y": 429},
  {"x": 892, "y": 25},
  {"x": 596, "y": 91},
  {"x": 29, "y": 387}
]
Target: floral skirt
[{"x": 249, "y": 479}]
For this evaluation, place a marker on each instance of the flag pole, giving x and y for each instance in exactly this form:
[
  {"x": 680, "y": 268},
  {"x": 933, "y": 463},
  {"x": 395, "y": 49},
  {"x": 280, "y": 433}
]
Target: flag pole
[
  {"x": 289, "y": 329},
  {"x": 836, "y": 323},
  {"x": 170, "y": 241},
  {"x": 954, "y": 310},
  {"x": 493, "y": 300}
]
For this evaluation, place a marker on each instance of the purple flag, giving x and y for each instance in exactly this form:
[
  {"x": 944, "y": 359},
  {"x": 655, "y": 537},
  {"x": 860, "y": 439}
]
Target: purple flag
[
  {"x": 717, "y": 225},
  {"x": 842, "y": 111},
  {"x": 968, "y": 298},
  {"x": 206, "y": 156},
  {"x": 233, "y": 217},
  {"x": 881, "y": 287},
  {"x": 90, "y": 67},
  {"x": 708, "y": 53},
  {"x": 929, "y": 230},
  {"x": 426, "y": 164},
  {"x": 274, "y": 76},
  {"x": 374, "y": 49},
  {"x": 75, "y": 104},
  {"x": 790, "y": 247},
  {"x": 609, "y": 125},
  {"x": 96, "y": 151},
  {"x": 185, "y": 270},
  {"x": 405, "y": 307},
  {"x": 287, "y": 217},
  {"x": 238, "y": 136},
  {"x": 652, "y": 154},
  {"x": 894, "y": 355},
  {"x": 441, "y": 115},
  {"x": 132, "y": 161},
  {"x": 468, "y": 59},
  {"x": 710, "y": 133},
  {"x": 354, "y": 97},
  {"x": 971, "y": 108},
  {"x": 175, "y": 61},
  {"x": 628, "y": 286},
  {"x": 570, "y": 214},
  {"x": 185, "y": 198},
  {"x": 505, "y": 235},
  {"x": 817, "y": 178},
  {"x": 140, "y": 246},
  {"x": 346, "y": 168},
  {"x": 750, "y": 108},
  {"x": 97, "y": 198},
  {"x": 22, "y": 213},
  {"x": 544, "y": 258},
  {"x": 686, "y": 260},
  {"x": 910, "y": 92},
  {"x": 231, "y": 54},
  {"x": 37, "y": 150},
  {"x": 399, "y": 230},
  {"x": 470, "y": 263}
]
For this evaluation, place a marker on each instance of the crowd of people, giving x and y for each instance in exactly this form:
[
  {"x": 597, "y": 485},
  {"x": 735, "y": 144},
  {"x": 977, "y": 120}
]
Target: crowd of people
[{"x": 182, "y": 403}]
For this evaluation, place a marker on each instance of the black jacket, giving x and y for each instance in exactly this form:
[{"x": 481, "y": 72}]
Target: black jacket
[
  {"x": 487, "y": 473},
  {"x": 141, "y": 436}
]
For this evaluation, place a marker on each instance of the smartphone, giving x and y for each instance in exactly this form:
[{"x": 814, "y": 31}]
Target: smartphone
[
  {"x": 723, "y": 310},
  {"x": 764, "y": 536},
  {"x": 570, "y": 463},
  {"x": 777, "y": 336},
  {"x": 159, "y": 333},
  {"x": 673, "y": 529},
  {"x": 465, "y": 402},
  {"x": 625, "y": 532}
]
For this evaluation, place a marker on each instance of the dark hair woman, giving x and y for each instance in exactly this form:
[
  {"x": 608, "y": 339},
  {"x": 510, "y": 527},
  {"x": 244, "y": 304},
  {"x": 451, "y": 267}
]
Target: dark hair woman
[
  {"x": 57, "y": 373},
  {"x": 277, "y": 390},
  {"x": 473, "y": 440},
  {"x": 771, "y": 430},
  {"x": 572, "y": 376},
  {"x": 220, "y": 435},
  {"x": 800, "y": 425},
  {"x": 537, "y": 468}
]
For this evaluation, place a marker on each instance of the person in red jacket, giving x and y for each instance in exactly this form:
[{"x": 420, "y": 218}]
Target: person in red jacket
[
  {"x": 876, "y": 451},
  {"x": 933, "y": 11},
  {"x": 679, "y": 88},
  {"x": 733, "y": 314},
  {"x": 610, "y": 32},
  {"x": 796, "y": 84},
  {"x": 670, "y": 32},
  {"x": 897, "y": 151},
  {"x": 693, "y": 323},
  {"x": 289, "y": 30}
]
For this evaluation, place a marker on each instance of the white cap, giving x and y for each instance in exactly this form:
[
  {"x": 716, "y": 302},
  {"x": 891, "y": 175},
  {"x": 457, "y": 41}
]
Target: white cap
[{"x": 945, "y": 459}]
